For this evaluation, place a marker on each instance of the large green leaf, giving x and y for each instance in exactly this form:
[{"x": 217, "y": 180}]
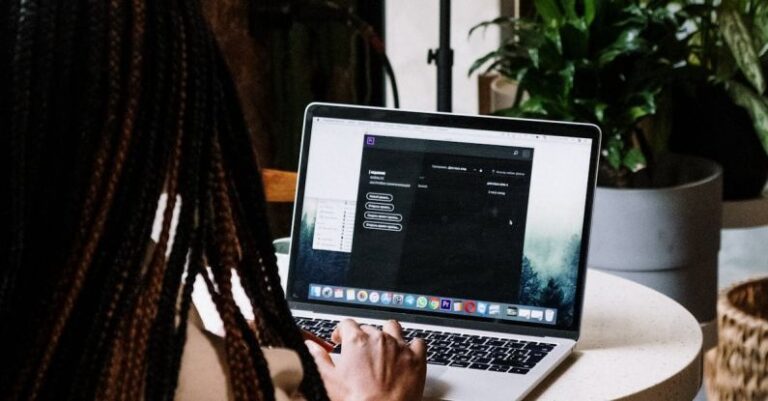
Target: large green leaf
[
  {"x": 760, "y": 28},
  {"x": 740, "y": 42},
  {"x": 634, "y": 160},
  {"x": 549, "y": 11},
  {"x": 589, "y": 11},
  {"x": 629, "y": 41},
  {"x": 757, "y": 107},
  {"x": 570, "y": 9}
]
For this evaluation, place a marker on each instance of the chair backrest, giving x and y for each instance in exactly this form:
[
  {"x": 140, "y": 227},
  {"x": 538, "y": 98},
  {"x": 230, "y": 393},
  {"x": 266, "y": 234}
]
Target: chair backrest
[{"x": 279, "y": 185}]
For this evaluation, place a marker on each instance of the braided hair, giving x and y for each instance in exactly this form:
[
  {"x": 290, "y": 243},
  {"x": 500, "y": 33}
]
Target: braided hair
[{"x": 105, "y": 108}]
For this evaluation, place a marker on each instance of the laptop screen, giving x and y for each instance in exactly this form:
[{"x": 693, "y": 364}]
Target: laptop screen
[{"x": 456, "y": 222}]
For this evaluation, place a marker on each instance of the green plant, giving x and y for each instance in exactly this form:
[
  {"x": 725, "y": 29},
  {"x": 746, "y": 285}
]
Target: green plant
[
  {"x": 729, "y": 42},
  {"x": 605, "y": 62}
]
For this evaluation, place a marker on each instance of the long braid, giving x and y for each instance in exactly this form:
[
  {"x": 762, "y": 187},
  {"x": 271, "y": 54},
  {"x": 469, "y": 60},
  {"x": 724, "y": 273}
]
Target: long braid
[
  {"x": 134, "y": 111},
  {"x": 162, "y": 330},
  {"x": 94, "y": 234},
  {"x": 116, "y": 298},
  {"x": 22, "y": 16},
  {"x": 258, "y": 247}
]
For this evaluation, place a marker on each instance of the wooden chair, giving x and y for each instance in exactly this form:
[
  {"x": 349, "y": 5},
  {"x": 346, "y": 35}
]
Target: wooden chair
[{"x": 279, "y": 185}]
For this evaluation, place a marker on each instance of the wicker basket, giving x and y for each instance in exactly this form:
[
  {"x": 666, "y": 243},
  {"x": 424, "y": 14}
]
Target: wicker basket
[{"x": 738, "y": 368}]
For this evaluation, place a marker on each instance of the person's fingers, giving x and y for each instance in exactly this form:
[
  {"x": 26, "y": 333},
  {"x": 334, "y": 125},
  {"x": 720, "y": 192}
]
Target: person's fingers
[
  {"x": 419, "y": 349},
  {"x": 347, "y": 330},
  {"x": 376, "y": 335},
  {"x": 322, "y": 358},
  {"x": 394, "y": 329}
]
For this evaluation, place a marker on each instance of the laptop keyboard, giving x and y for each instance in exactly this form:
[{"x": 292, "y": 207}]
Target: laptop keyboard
[{"x": 458, "y": 350}]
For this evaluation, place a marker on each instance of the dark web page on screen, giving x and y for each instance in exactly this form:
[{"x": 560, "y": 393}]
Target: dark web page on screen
[{"x": 436, "y": 217}]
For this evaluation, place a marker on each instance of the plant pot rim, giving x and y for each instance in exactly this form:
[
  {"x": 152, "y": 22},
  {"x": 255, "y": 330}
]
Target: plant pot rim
[{"x": 715, "y": 173}]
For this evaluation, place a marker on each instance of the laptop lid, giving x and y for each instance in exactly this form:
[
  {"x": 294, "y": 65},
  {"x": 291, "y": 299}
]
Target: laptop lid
[{"x": 467, "y": 221}]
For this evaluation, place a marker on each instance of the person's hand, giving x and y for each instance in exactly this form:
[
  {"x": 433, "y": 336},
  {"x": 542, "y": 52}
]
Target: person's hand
[{"x": 374, "y": 365}]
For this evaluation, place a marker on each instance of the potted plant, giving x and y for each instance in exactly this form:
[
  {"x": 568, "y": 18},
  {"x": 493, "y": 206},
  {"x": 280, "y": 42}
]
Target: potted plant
[
  {"x": 721, "y": 107},
  {"x": 656, "y": 216}
]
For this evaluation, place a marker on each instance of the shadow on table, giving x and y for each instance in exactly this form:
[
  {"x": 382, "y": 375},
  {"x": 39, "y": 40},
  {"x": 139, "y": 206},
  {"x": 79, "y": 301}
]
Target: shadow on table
[{"x": 567, "y": 363}]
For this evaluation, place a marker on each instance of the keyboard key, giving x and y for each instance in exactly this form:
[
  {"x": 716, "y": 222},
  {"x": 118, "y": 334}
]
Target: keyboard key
[
  {"x": 459, "y": 364},
  {"x": 437, "y": 361},
  {"x": 495, "y": 368},
  {"x": 519, "y": 371},
  {"x": 480, "y": 366}
]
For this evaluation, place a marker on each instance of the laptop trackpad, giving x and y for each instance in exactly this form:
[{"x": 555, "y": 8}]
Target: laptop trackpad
[{"x": 436, "y": 388}]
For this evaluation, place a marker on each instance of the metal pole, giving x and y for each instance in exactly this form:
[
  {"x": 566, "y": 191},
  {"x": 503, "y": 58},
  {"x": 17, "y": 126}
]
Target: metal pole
[{"x": 443, "y": 58}]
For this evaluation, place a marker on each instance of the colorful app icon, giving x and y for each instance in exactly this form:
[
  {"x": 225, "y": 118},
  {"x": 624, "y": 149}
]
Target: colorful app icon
[
  {"x": 458, "y": 306},
  {"x": 338, "y": 293},
  {"x": 386, "y": 298},
  {"x": 434, "y": 303},
  {"x": 421, "y": 302},
  {"x": 494, "y": 309},
  {"x": 398, "y": 299},
  {"x": 549, "y": 315},
  {"x": 410, "y": 300},
  {"x": 314, "y": 291},
  {"x": 512, "y": 311},
  {"x": 445, "y": 304},
  {"x": 327, "y": 292},
  {"x": 350, "y": 295},
  {"x": 362, "y": 295},
  {"x": 482, "y": 308},
  {"x": 537, "y": 314},
  {"x": 470, "y": 306},
  {"x": 524, "y": 313},
  {"x": 374, "y": 297}
]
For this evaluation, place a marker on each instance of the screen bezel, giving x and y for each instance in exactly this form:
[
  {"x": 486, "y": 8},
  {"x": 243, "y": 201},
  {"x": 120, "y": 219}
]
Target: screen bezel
[{"x": 490, "y": 123}]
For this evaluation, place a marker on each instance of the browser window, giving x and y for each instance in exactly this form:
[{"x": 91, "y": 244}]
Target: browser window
[{"x": 470, "y": 223}]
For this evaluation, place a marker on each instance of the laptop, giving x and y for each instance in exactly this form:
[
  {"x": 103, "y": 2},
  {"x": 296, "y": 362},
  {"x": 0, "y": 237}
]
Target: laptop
[{"x": 472, "y": 231}]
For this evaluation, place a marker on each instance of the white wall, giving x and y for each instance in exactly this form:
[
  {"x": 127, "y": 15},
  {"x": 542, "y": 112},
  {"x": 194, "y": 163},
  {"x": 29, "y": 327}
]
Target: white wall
[{"x": 412, "y": 28}]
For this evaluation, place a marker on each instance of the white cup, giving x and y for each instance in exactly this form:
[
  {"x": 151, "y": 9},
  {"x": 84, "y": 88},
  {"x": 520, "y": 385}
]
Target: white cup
[{"x": 282, "y": 246}]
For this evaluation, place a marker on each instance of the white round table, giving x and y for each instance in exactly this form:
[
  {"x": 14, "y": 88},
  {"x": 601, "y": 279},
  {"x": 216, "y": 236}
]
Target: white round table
[{"x": 636, "y": 344}]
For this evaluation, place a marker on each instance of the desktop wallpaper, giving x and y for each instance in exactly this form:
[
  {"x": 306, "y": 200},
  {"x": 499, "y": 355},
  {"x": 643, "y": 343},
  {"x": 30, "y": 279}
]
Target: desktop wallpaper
[{"x": 548, "y": 277}]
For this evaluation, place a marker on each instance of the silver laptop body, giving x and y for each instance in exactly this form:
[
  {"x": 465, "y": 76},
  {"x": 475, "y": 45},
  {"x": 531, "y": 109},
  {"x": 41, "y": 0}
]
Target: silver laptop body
[{"x": 472, "y": 231}]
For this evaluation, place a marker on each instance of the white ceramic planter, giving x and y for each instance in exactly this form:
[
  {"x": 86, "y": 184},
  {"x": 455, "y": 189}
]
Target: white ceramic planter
[{"x": 667, "y": 238}]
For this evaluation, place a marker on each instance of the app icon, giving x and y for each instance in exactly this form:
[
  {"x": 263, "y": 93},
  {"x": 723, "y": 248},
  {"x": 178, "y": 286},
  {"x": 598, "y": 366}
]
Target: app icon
[
  {"x": 458, "y": 306},
  {"x": 434, "y": 303},
  {"x": 470, "y": 306},
  {"x": 421, "y": 302},
  {"x": 386, "y": 298},
  {"x": 397, "y": 299},
  {"x": 374, "y": 297},
  {"x": 482, "y": 308},
  {"x": 338, "y": 293},
  {"x": 410, "y": 300},
  {"x": 445, "y": 304},
  {"x": 370, "y": 140},
  {"x": 327, "y": 292},
  {"x": 314, "y": 291},
  {"x": 494, "y": 309},
  {"x": 350, "y": 295},
  {"x": 549, "y": 315},
  {"x": 362, "y": 295},
  {"x": 512, "y": 311},
  {"x": 524, "y": 313},
  {"x": 537, "y": 314}
]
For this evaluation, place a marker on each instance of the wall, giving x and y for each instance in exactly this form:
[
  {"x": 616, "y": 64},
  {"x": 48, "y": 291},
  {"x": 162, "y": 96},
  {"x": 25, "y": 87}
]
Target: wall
[{"x": 412, "y": 28}]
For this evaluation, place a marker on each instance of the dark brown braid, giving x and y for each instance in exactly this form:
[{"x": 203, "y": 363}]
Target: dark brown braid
[{"x": 108, "y": 104}]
